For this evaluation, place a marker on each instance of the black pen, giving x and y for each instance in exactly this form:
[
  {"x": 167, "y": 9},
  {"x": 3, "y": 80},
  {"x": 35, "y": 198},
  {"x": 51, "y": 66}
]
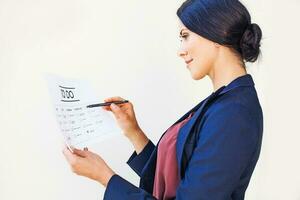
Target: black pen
[{"x": 106, "y": 103}]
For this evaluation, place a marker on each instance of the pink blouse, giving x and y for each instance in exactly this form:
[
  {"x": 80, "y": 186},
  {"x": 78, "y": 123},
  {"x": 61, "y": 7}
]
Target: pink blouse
[{"x": 166, "y": 177}]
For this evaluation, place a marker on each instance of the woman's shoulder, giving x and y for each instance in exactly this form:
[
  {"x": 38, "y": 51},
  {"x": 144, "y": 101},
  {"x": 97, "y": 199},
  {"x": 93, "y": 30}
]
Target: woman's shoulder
[
  {"x": 241, "y": 100},
  {"x": 236, "y": 107}
]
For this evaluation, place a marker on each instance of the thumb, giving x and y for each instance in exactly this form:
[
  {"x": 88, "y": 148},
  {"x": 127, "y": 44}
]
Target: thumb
[
  {"x": 116, "y": 110},
  {"x": 80, "y": 153}
]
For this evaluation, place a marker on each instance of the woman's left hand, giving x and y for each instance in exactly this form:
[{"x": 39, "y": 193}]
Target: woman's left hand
[{"x": 88, "y": 164}]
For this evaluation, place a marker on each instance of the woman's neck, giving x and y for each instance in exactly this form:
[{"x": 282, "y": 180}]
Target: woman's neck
[{"x": 226, "y": 68}]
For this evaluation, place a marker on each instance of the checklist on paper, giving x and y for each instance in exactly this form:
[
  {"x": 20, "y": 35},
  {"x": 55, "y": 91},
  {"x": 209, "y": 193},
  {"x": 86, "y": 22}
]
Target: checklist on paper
[{"x": 79, "y": 125}]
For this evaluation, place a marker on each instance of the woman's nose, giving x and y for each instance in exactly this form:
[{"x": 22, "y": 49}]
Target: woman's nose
[{"x": 181, "y": 53}]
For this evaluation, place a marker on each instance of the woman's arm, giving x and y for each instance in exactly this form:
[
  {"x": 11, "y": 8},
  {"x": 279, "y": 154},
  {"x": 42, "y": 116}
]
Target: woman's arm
[
  {"x": 139, "y": 140},
  {"x": 125, "y": 117}
]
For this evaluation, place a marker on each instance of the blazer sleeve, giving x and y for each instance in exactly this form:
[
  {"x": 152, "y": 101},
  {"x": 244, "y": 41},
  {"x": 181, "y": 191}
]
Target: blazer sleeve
[
  {"x": 137, "y": 162},
  {"x": 227, "y": 141}
]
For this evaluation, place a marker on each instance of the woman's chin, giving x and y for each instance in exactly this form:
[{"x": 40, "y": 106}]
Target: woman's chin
[
  {"x": 194, "y": 77},
  {"x": 197, "y": 76}
]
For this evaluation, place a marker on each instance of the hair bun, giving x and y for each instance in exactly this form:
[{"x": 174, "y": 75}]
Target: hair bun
[{"x": 250, "y": 43}]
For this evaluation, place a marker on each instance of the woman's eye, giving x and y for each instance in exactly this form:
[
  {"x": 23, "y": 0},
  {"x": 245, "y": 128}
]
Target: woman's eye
[{"x": 183, "y": 36}]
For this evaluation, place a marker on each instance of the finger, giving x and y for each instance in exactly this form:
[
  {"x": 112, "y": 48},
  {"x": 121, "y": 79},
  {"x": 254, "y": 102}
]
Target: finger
[
  {"x": 80, "y": 152},
  {"x": 106, "y": 108},
  {"x": 116, "y": 110},
  {"x": 116, "y": 98},
  {"x": 110, "y": 99},
  {"x": 122, "y": 105},
  {"x": 67, "y": 148},
  {"x": 69, "y": 155}
]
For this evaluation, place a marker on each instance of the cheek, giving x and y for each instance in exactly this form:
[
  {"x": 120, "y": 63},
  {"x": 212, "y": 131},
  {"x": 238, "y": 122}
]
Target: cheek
[{"x": 205, "y": 56}]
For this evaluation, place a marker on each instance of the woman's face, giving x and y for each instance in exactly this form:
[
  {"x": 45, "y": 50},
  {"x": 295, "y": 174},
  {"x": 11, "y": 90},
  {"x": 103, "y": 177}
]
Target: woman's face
[{"x": 198, "y": 52}]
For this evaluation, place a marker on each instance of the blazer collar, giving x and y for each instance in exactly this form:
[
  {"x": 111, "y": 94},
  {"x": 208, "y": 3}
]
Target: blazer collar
[{"x": 244, "y": 80}]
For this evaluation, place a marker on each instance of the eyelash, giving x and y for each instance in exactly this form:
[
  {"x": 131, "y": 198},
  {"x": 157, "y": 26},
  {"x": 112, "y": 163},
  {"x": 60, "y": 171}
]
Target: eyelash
[{"x": 183, "y": 36}]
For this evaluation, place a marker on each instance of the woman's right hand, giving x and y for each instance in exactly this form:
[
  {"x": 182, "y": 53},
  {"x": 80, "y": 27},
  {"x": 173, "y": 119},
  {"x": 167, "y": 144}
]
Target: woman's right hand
[{"x": 124, "y": 115}]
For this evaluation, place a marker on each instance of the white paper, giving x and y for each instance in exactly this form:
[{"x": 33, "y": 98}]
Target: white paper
[{"x": 80, "y": 126}]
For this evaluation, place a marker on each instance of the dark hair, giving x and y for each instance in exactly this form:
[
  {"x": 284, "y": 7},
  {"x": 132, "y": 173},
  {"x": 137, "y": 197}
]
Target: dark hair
[{"x": 226, "y": 22}]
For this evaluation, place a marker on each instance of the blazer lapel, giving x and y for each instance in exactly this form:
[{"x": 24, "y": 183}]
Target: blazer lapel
[
  {"x": 186, "y": 130},
  {"x": 148, "y": 173}
]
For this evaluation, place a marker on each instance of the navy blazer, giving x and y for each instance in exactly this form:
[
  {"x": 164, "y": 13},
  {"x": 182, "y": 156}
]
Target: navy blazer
[{"x": 217, "y": 149}]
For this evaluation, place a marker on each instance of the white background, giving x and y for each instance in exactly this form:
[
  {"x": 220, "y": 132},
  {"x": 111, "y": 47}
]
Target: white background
[{"x": 128, "y": 48}]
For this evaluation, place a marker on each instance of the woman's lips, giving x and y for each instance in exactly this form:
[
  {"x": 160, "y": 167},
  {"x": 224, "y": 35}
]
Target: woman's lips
[{"x": 188, "y": 61}]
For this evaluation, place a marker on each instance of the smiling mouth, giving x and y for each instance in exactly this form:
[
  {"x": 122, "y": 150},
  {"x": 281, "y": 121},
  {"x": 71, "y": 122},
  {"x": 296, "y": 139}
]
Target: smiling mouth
[{"x": 187, "y": 62}]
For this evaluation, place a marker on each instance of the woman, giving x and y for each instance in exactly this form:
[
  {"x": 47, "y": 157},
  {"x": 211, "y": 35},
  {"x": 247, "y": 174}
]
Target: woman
[{"x": 211, "y": 151}]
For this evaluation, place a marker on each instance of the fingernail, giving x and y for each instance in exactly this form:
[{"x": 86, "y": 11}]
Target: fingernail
[{"x": 113, "y": 105}]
